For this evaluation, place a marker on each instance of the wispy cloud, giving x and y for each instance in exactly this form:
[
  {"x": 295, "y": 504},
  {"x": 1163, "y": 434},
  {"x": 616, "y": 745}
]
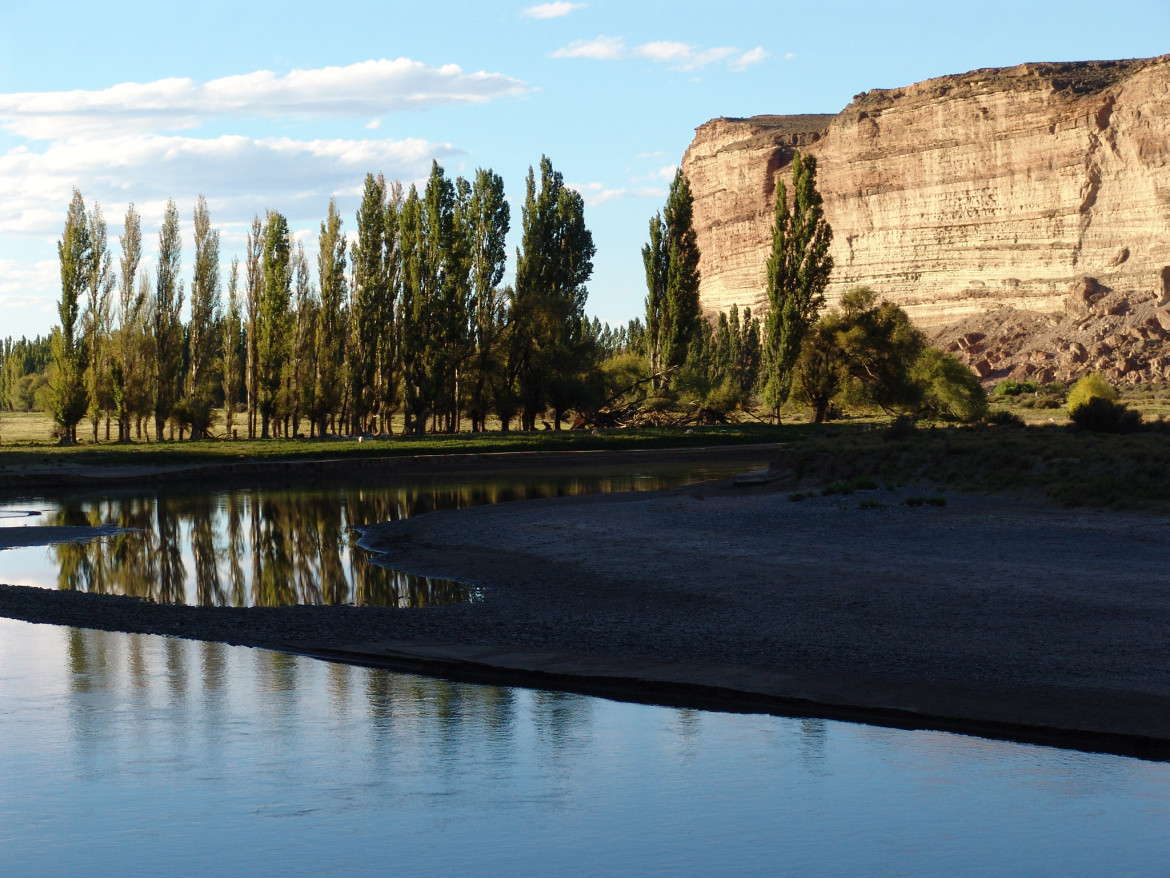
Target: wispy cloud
[
  {"x": 361, "y": 90},
  {"x": 550, "y": 10},
  {"x": 238, "y": 174},
  {"x": 596, "y": 193},
  {"x": 682, "y": 56}
]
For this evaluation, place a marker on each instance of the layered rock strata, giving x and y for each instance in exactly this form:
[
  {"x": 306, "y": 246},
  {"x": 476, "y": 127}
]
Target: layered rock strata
[{"x": 957, "y": 197}]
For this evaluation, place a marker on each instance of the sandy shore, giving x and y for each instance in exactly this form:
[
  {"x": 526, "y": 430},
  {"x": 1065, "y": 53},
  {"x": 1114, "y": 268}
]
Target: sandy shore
[{"x": 995, "y": 616}]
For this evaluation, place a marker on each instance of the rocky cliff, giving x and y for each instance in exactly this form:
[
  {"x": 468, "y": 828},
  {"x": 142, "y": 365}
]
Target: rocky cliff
[{"x": 1042, "y": 189}]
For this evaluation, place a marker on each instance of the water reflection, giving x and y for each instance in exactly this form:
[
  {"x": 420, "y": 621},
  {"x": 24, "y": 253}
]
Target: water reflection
[
  {"x": 127, "y": 753},
  {"x": 275, "y": 548}
]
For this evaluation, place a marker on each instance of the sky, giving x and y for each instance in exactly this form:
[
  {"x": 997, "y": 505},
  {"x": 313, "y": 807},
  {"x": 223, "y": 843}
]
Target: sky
[{"x": 263, "y": 106}]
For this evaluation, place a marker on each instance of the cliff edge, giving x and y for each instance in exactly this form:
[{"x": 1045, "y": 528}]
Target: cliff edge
[{"x": 1039, "y": 194}]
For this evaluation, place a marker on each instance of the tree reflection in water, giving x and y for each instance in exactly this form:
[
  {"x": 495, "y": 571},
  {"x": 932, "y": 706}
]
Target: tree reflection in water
[{"x": 277, "y": 548}]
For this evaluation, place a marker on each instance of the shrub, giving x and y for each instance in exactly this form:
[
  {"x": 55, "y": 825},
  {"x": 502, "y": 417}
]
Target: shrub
[
  {"x": 1101, "y": 415},
  {"x": 1091, "y": 386},
  {"x": 1008, "y": 387},
  {"x": 949, "y": 389},
  {"x": 1005, "y": 418}
]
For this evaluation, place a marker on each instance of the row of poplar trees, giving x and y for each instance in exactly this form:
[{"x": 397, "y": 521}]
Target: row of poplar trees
[{"x": 410, "y": 319}]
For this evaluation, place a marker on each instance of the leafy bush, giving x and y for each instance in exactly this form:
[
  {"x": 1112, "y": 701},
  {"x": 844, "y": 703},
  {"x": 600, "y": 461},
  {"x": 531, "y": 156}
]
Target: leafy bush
[
  {"x": 1091, "y": 386},
  {"x": 858, "y": 483},
  {"x": 1004, "y": 418},
  {"x": 949, "y": 389},
  {"x": 1008, "y": 387},
  {"x": 1101, "y": 415}
]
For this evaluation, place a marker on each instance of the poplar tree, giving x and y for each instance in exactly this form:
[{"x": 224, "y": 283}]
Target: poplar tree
[
  {"x": 553, "y": 264},
  {"x": 488, "y": 219},
  {"x": 255, "y": 281},
  {"x": 672, "y": 280},
  {"x": 204, "y": 316},
  {"x": 230, "y": 344},
  {"x": 330, "y": 330},
  {"x": 369, "y": 311},
  {"x": 301, "y": 366},
  {"x": 67, "y": 387},
  {"x": 167, "y": 326},
  {"x": 389, "y": 338},
  {"x": 798, "y": 272},
  {"x": 126, "y": 374},
  {"x": 272, "y": 346},
  {"x": 99, "y": 285}
]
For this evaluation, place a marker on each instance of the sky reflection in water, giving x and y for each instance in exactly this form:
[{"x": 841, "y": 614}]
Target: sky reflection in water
[{"x": 128, "y": 754}]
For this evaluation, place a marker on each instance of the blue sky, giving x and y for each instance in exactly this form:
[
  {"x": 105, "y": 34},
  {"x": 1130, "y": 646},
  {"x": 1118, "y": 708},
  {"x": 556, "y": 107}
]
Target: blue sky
[{"x": 281, "y": 106}]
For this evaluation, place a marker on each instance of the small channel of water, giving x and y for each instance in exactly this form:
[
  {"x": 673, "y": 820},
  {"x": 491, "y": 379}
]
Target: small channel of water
[{"x": 270, "y": 547}]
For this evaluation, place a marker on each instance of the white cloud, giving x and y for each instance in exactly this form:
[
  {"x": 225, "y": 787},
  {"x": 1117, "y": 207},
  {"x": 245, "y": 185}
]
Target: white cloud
[
  {"x": 239, "y": 175},
  {"x": 649, "y": 192},
  {"x": 748, "y": 58},
  {"x": 550, "y": 10},
  {"x": 599, "y": 49},
  {"x": 364, "y": 89},
  {"x": 682, "y": 56},
  {"x": 788, "y": 56},
  {"x": 596, "y": 193}
]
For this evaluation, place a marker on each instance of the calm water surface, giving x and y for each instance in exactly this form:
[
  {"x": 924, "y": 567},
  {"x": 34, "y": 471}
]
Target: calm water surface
[
  {"x": 270, "y": 547},
  {"x": 126, "y": 754},
  {"x": 129, "y": 754}
]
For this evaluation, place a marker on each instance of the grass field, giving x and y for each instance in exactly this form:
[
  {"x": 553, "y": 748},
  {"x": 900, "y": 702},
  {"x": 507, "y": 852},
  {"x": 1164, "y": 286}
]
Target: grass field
[{"x": 25, "y": 442}]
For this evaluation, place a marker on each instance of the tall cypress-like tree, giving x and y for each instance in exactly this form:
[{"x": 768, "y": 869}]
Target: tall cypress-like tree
[
  {"x": 672, "y": 280},
  {"x": 548, "y": 307},
  {"x": 97, "y": 319},
  {"x": 272, "y": 335},
  {"x": 330, "y": 335},
  {"x": 230, "y": 345},
  {"x": 128, "y": 382},
  {"x": 204, "y": 316},
  {"x": 488, "y": 218},
  {"x": 369, "y": 312},
  {"x": 254, "y": 272},
  {"x": 798, "y": 272},
  {"x": 167, "y": 325},
  {"x": 67, "y": 387}
]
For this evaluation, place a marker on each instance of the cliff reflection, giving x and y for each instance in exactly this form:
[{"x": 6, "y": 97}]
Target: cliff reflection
[{"x": 277, "y": 548}]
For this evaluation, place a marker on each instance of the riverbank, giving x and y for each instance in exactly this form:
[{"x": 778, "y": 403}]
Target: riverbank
[{"x": 995, "y": 616}]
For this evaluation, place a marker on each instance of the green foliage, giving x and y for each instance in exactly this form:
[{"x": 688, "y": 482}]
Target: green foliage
[
  {"x": 1008, "y": 387},
  {"x": 1091, "y": 386},
  {"x": 1101, "y": 415},
  {"x": 798, "y": 272},
  {"x": 201, "y": 331},
  {"x": 671, "y": 260},
  {"x": 551, "y": 354},
  {"x": 166, "y": 325},
  {"x": 330, "y": 328},
  {"x": 273, "y": 324},
  {"x": 871, "y": 354},
  {"x": 75, "y": 253},
  {"x": 950, "y": 390}
]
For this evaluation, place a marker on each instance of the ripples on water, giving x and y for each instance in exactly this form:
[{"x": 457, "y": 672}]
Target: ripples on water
[
  {"x": 267, "y": 547},
  {"x": 125, "y": 754}
]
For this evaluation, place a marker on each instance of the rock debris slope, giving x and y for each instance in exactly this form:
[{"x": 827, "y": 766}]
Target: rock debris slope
[{"x": 1036, "y": 197}]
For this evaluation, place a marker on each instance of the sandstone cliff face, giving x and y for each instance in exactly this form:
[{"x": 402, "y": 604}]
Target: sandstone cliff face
[{"x": 957, "y": 196}]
